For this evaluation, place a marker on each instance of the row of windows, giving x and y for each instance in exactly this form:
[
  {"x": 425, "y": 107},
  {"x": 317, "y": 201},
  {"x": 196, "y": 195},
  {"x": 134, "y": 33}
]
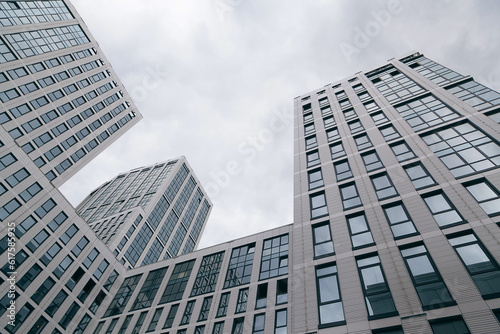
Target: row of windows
[
  {"x": 30, "y": 12},
  {"x": 221, "y": 310},
  {"x": 429, "y": 285},
  {"x": 274, "y": 263}
]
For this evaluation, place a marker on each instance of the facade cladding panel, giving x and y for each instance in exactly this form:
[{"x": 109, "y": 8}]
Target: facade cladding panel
[{"x": 396, "y": 228}]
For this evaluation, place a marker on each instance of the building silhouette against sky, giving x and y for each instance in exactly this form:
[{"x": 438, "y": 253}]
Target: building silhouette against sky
[{"x": 396, "y": 205}]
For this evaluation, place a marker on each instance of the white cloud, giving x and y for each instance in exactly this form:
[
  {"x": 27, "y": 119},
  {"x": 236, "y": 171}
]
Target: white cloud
[{"x": 229, "y": 65}]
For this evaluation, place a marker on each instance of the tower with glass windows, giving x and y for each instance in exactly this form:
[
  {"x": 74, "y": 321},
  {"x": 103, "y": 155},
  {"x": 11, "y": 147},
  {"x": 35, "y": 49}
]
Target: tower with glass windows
[{"x": 397, "y": 180}]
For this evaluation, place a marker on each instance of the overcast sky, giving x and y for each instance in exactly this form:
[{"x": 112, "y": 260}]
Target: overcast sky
[{"x": 215, "y": 82}]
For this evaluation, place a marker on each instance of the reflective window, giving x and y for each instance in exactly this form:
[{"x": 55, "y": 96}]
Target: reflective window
[
  {"x": 332, "y": 134},
  {"x": 486, "y": 195},
  {"x": 274, "y": 261},
  {"x": 241, "y": 304},
  {"x": 476, "y": 95},
  {"x": 337, "y": 150},
  {"x": 207, "y": 274},
  {"x": 389, "y": 132},
  {"x": 329, "y": 121},
  {"x": 123, "y": 295},
  {"x": 426, "y": 112},
  {"x": 149, "y": 289},
  {"x": 261, "y": 300},
  {"x": 355, "y": 126},
  {"x": 419, "y": 176},
  {"x": 259, "y": 321},
  {"x": 383, "y": 186},
  {"x": 372, "y": 161},
  {"x": 187, "y": 312},
  {"x": 280, "y": 323},
  {"x": 311, "y": 142},
  {"x": 379, "y": 118},
  {"x": 315, "y": 179},
  {"x": 482, "y": 267},
  {"x": 430, "y": 287},
  {"x": 282, "y": 291},
  {"x": 240, "y": 266},
  {"x": 402, "y": 151},
  {"x": 171, "y": 316},
  {"x": 442, "y": 209},
  {"x": 309, "y": 128},
  {"x": 361, "y": 236},
  {"x": 378, "y": 297},
  {"x": 322, "y": 239},
  {"x": 342, "y": 170},
  {"x": 399, "y": 220},
  {"x": 394, "y": 85},
  {"x": 318, "y": 205},
  {"x": 464, "y": 149},
  {"x": 362, "y": 142},
  {"x": 238, "y": 325},
  {"x": 177, "y": 282},
  {"x": 205, "y": 308},
  {"x": 330, "y": 307},
  {"x": 349, "y": 114},
  {"x": 432, "y": 70},
  {"x": 313, "y": 158},
  {"x": 223, "y": 304},
  {"x": 371, "y": 106},
  {"x": 350, "y": 196}
]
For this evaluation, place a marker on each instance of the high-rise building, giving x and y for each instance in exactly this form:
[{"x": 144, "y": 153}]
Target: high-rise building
[
  {"x": 166, "y": 195},
  {"x": 396, "y": 222}
]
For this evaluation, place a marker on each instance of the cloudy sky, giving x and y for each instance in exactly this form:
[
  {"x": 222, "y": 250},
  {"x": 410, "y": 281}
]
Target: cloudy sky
[{"x": 215, "y": 82}]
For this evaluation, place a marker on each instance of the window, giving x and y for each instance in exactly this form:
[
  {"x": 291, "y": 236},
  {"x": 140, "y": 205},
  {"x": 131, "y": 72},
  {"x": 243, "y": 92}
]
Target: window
[
  {"x": 311, "y": 142},
  {"x": 326, "y": 111},
  {"x": 350, "y": 196},
  {"x": 313, "y": 158},
  {"x": 363, "y": 142},
  {"x": 331, "y": 312},
  {"x": 419, "y": 176},
  {"x": 430, "y": 287},
  {"x": 37, "y": 240},
  {"x": 402, "y": 151},
  {"x": 223, "y": 303},
  {"x": 28, "y": 278},
  {"x": 349, "y": 114},
  {"x": 31, "y": 191},
  {"x": 177, "y": 282},
  {"x": 332, "y": 134},
  {"x": 239, "y": 270},
  {"x": 391, "y": 330},
  {"x": 383, "y": 186},
  {"x": 329, "y": 121},
  {"x": 238, "y": 325},
  {"x": 372, "y": 161},
  {"x": 481, "y": 266},
  {"x": 171, "y": 316},
  {"x": 205, "y": 308},
  {"x": 464, "y": 149},
  {"x": 318, "y": 205},
  {"x": 121, "y": 298},
  {"x": 449, "y": 325},
  {"x": 342, "y": 170},
  {"x": 476, "y": 95},
  {"x": 241, "y": 304},
  {"x": 315, "y": 179},
  {"x": 28, "y": 88},
  {"x": 261, "y": 300},
  {"x": 101, "y": 269},
  {"x": 57, "y": 221},
  {"x": 378, "y": 297},
  {"x": 42, "y": 291},
  {"x": 274, "y": 261},
  {"x": 49, "y": 116},
  {"x": 31, "y": 125},
  {"x": 426, "y": 112},
  {"x": 87, "y": 289},
  {"x": 50, "y": 254},
  {"x": 306, "y": 108},
  {"x": 337, "y": 150},
  {"x": 394, "y": 85},
  {"x": 70, "y": 232},
  {"x": 125, "y": 324},
  {"x": 389, "y": 132},
  {"x": 379, "y": 118},
  {"x": 21, "y": 317},
  {"x": 280, "y": 324},
  {"x": 355, "y": 126},
  {"x": 139, "y": 323},
  {"x": 39, "y": 102},
  {"x": 149, "y": 289},
  {"x": 97, "y": 302},
  {"x": 154, "y": 321},
  {"x": 399, "y": 220},
  {"x": 308, "y": 118},
  {"x": 371, "y": 106},
  {"x": 17, "y": 177},
  {"x": 9, "y": 208},
  {"x": 323, "y": 101},
  {"x": 309, "y": 128},
  {"x": 80, "y": 246},
  {"x": 218, "y": 327},
  {"x": 486, "y": 195},
  {"x": 112, "y": 326},
  {"x": 199, "y": 329},
  {"x": 207, "y": 274},
  {"x": 259, "y": 322},
  {"x": 442, "y": 209},
  {"x": 361, "y": 235},
  {"x": 322, "y": 239},
  {"x": 47, "y": 81},
  {"x": 56, "y": 303},
  {"x": 282, "y": 291},
  {"x": 75, "y": 278},
  {"x": 9, "y": 95},
  {"x": 187, "y": 312},
  {"x": 17, "y": 73}
]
